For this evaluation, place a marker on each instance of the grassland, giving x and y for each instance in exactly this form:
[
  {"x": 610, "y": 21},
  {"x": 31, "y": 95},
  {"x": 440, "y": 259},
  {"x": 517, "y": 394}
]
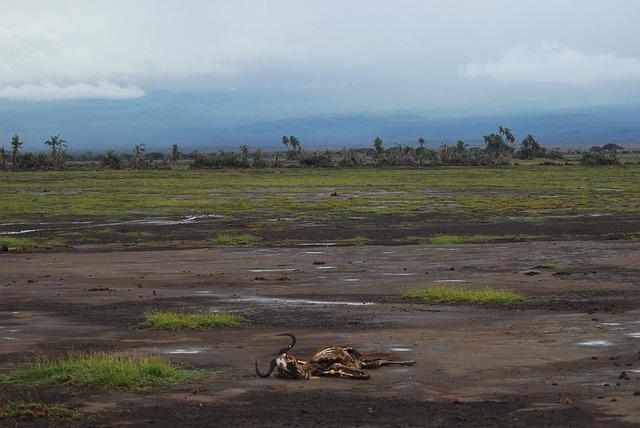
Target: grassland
[
  {"x": 453, "y": 294},
  {"x": 533, "y": 189},
  {"x": 168, "y": 320},
  {"x": 261, "y": 199},
  {"x": 102, "y": 370}
]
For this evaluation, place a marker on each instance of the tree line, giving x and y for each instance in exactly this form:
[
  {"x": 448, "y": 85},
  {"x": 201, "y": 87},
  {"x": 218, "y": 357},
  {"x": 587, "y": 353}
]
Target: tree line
[{"x": 499, "y": 149}]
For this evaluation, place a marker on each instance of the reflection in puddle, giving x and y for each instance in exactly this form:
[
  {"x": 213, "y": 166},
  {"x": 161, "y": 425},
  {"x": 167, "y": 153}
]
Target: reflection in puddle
[
  {"x": 401, "y": 349},
  {"x": 596, "y": 343},
  {"x": 276, "y": 300},
  {"x": 398, "y": 274},
  {"x": 186, "y": 351}
]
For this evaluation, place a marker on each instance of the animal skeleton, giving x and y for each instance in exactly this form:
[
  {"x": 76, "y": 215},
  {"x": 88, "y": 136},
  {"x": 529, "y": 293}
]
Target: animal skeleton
[{"x": 328, "y": 362}]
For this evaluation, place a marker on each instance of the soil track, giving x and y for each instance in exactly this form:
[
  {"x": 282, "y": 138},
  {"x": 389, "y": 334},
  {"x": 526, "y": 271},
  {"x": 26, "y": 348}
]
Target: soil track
[{"x": 557, "y": 360}]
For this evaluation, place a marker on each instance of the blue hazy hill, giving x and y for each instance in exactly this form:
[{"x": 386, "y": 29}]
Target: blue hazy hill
[{"x": 206, "y": 123}]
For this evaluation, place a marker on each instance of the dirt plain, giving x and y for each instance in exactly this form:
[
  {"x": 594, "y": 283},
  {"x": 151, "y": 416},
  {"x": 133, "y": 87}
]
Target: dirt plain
[
  {"x": 568, "y": 357},
  {"x": 101, "y": 248}
]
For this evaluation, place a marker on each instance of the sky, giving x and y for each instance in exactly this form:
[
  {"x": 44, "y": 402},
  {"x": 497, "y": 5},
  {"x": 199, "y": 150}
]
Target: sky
[{"x": 250, "y": 61}]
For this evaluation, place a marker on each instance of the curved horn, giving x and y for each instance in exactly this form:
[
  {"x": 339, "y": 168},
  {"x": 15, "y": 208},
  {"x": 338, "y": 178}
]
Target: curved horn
[
  {"x": 268, "y": 372},
  {"x": 287, "y": 348}
]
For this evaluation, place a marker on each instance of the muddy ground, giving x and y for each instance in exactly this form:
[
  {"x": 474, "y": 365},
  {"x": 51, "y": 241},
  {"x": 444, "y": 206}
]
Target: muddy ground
[{"x": 567, "y": 357}]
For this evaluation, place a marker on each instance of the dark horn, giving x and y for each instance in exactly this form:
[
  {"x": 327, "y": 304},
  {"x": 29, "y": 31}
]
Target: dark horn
[
  {"x": 288, "y": 348},
  {"x": 268, "y": 373}
]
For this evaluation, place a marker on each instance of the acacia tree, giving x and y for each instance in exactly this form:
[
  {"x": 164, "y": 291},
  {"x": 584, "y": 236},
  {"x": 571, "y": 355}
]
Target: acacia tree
[
  {"x": 379, "y": 150},
  {"x": 16, "y": 146},
  {"x": 138, "y": 155},
  {"x": 285, "y": 141},
  {"x": 58, "y": 146},
  {"x": 421, "y": 142}
]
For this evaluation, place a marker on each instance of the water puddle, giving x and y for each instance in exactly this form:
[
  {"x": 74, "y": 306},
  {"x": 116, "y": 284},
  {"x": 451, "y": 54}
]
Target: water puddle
[
  {"x": 326, "y": 267},
  {"x": 442, "y": 281},
  {"x": 350, "y": 279},
  {"x": 20, "y": 232},
  {"x": 634, "y": 335},
  {"x": 596, "y": 343},
  {"x": 7, "y": 338},
  {"x": 202, "y": 292},
  {"x": 400, "y": 349},
  {"x": 319, "y": 244},
  {"x": 192, "y": 350},
  {"x": 278, "y": 300},
  {"x": 609, "y": 324},
  {"x": 313, "y": 252},
  {"x": 398, "y": 274},
  {"x": 271, "y": 270}
]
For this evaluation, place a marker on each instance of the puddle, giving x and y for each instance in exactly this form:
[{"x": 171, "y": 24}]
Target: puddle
[
  {"x": 595, "y": 343},
  {"x": 609, "y": 324},
  {"x": 399, "y": 274},
  {"x": 7, "y": 338},
  {"x": 401, "y": 349},
  {"x": 634, "y": 335},
  {"x": 20, "y": 232},
  {"x": 313, "y": 252},
  {"x": 319, "y": 244},
  {"x": 271, "y": 270},
  {"x": 350, "y": 279},
  {"x": 185, "y": 351},
  {"x": 633, "y": 370},
  {"x": 277, "y": 300},
  {"x": 202, "y": 292},
  {"x": 326, "y": 267},
  {"x": 449, "y": 280}
]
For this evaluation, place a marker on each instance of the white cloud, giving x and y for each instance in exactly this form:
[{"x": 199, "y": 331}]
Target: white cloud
[
  {"x": 50, "y": 91},
  {"x": 554, "y": 63}
]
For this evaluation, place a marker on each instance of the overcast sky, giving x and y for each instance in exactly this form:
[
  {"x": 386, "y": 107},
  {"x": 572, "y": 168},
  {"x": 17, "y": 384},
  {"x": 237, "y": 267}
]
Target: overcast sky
[{"x": 280, "y": 57}]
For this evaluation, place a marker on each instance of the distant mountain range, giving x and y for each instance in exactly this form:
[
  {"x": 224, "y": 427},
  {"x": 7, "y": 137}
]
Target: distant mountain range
[{"x": 107, "y": 124}]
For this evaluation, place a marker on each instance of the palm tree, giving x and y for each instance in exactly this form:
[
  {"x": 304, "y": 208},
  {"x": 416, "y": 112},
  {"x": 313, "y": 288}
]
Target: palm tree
[
  {"x": 295, "y": 144},
  {"x": 530, "y": 147},
  {"x": 285, "y": 141},
  {"x": 57, "y": 145},
  {"x": 3, "y": 158},
  {"x": 111, "y": 160},
  {"x": 461, "y": 147},
  {"x": 175, "y": 153},
  {"x": 138, "y": 155},
  {"x": 421, "y": 142},
  {"x": 507, "y": 134},
  {"x": 16, "y": 145},
  {"x": 379, "y": 150},
  {"x": 244, "y": 154}
]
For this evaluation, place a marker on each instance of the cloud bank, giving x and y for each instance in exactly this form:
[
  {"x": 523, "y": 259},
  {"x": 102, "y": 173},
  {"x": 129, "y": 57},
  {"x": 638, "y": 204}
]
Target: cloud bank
[
  {"x": 554, "y": 63},
  {"x": 51, "y": 91}
]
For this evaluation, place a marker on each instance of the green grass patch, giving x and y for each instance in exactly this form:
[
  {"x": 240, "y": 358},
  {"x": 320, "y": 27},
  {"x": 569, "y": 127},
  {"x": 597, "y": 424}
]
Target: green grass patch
[
  {"x": 18, "y": 243},
  {"x": 453, "y": 294},
  {"x": 459, "y": 239},
  {"x": 549, "y": 266},
  {"x": 30, "y": 410},
  {"x": 239, "y": 240},
  {"x": 103, "y": 370},
  {"x": 167, "y": 320}
]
